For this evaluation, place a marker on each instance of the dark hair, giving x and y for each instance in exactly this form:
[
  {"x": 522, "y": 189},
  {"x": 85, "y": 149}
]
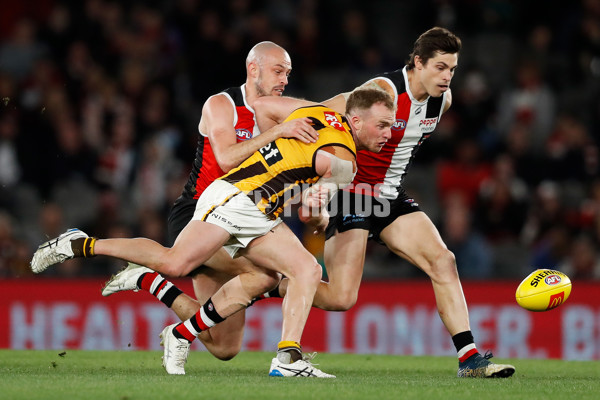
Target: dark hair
[
  {"x": 363, "y": 99},
  {"x": 434, "y": 40}
]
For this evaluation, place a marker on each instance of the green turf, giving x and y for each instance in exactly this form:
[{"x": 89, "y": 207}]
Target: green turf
[{"x": 139, "y": 375}]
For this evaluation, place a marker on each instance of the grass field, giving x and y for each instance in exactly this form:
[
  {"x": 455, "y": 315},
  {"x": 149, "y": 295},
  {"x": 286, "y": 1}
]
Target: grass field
[{"x": 139, "y": 375}]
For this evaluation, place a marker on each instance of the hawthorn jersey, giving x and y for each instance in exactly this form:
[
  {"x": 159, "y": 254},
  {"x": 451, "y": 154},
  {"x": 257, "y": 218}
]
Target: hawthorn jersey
[
  {"x": 205, "y": 168},
  {"x": 383, "y": 172},
  {"x": 278, "y": 169}
]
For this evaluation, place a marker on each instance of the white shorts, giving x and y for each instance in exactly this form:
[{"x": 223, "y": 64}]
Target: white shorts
[{"x": 223, "y": 204}]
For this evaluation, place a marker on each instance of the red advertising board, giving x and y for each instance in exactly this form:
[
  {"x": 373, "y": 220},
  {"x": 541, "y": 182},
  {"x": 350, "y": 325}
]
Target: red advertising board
[{"x": 389, "y": 318}]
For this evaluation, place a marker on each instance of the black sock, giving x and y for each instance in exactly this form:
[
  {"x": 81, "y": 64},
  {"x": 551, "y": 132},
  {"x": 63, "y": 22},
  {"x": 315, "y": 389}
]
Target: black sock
[
  {"x": 211, "y": 312},
  {"x": 170, "y": 296},
  {"x": 465, "y": 345},
  {"x": 274, "y": 292},
  {"x": 462, "y": 339}
]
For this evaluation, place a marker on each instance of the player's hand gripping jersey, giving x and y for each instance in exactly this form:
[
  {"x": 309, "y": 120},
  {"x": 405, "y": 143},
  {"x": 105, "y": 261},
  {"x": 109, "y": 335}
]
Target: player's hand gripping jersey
[{"x": 279, "y": 168}]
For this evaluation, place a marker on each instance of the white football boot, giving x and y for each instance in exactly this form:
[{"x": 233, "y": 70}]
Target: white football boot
[
  {"x": 125, "y": 279},
  {"x": 300, "y": 368},
  {"x": 55, "y": 251},
  {"x": 175, "y": 353}
]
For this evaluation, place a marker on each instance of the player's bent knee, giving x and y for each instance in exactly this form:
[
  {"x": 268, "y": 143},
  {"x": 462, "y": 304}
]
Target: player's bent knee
[
  {"x": 315, "y": 273},
  {"x": 226, "y": 353},
  {"x": 271, "y": 281},
  {"x": 343, "y": 301},
  {"x": 308, "y": 273},
  {"x": 222, "y": 347},
  {"x": 444, "y": 269},
  {"x": 174, "y": 268},
  {"x": 171, "y": 270}
]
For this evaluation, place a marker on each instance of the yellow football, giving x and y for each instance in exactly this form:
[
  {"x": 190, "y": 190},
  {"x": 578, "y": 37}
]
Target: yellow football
[{"x": 543, "y": 289}]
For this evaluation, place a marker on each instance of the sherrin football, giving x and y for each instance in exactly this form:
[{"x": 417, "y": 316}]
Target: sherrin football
[{"x": 543, "y": 289}]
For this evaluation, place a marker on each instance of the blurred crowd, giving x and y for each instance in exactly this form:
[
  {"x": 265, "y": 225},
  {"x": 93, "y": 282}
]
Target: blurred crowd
[{"x": 100, "y": 101}]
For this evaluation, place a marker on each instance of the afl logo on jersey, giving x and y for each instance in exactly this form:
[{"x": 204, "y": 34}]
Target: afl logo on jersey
[
  {"x": 243, "y": 134},
  {"x": 399, "y": 125}
]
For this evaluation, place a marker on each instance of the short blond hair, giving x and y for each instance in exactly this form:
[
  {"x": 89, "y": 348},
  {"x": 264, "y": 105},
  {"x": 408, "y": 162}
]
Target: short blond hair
[{"x": 365, "y": 98}]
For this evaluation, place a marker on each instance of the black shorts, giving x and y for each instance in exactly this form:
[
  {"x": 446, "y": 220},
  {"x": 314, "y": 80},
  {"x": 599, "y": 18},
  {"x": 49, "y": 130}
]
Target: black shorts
[
  {"x": 181, "y": 213},
  {"x": 349, "y": 210}
]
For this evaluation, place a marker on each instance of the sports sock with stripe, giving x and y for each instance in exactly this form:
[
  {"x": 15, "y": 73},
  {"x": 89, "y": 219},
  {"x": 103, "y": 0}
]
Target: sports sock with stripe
[
  {"x": 83, "y": 247},
  {"x": 465, "y": 345},
  {"x": 289, "y": 352},
  {"x": 205, "y": 318},
  {"x": 159, "y": 287},
  {"x": 267, "y": 295}
]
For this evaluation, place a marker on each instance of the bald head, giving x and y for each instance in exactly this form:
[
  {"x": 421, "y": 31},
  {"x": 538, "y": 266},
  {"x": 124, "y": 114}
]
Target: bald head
[
  {"x": 268, "y": 66},
  {"x": 265, "y": 49}
]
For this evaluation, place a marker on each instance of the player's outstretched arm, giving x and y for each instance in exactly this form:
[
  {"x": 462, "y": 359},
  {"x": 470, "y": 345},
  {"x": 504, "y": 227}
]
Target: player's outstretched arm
[{"x": 272, "y": 111}]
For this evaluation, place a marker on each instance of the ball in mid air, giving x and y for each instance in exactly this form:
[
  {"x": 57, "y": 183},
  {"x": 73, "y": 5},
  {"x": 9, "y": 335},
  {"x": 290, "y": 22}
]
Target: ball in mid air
[{"x": 543, "y": 289}]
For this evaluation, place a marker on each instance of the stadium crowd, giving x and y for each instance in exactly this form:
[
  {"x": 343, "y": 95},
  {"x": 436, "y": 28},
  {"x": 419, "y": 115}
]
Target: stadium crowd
[{"x": 100, "y": 102}]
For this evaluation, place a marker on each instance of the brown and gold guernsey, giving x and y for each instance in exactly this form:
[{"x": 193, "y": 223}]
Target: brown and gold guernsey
[{"x": 275, "y": 171}]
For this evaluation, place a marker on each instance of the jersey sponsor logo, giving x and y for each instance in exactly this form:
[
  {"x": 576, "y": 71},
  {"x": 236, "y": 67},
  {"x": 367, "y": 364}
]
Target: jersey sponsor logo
[
  {"x": 428, "y": 124},
  {"x": 333, "y": 120},
  {"x": 243, "y": 134},
  {"x": 353, "y": 218},
  {"x": 399, "y": 125},
  {"x": 271, "y": 153}
]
